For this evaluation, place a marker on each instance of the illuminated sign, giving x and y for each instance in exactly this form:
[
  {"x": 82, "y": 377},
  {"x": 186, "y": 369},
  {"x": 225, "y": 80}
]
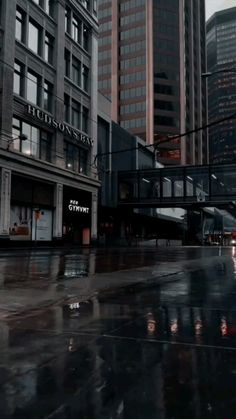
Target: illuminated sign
[
  {"x": 75, "y": 207},
  {"x": 72, "y": 306},
  {"x": 61, "y": 126}
]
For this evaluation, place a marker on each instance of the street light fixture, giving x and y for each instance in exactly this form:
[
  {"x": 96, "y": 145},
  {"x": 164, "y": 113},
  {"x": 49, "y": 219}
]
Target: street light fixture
[{"x": 21, "y": 137}]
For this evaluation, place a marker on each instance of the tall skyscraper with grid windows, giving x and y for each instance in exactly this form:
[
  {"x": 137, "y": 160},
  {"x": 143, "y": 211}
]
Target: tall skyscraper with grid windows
[{"x": 151, "y": 56}]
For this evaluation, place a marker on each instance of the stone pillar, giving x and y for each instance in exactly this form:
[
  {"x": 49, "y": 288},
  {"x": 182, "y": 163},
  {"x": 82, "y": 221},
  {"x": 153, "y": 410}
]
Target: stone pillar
[
  {"x": 94, "y": 216},
  {"x": 5, "y": 203},
  {"x": 94, "y": 103},
  {"x": 58, "y": 202}
]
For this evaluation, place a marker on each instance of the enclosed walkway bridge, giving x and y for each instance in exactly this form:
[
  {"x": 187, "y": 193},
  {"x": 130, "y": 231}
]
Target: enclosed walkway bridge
[{"x": 178, "y": 186}]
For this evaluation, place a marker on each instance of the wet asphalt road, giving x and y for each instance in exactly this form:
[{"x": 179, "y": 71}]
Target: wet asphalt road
[{"x": 165, "y": 352}]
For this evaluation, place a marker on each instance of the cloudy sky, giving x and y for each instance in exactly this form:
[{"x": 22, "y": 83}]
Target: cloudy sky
[{"x": 213, "y": 6}]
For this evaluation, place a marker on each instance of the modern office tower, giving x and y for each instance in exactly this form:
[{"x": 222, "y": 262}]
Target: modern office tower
[
  {"x": 48, "y": 112},
  {"x": 221, "y": 57},
  {"x": 151, "y": 56}
]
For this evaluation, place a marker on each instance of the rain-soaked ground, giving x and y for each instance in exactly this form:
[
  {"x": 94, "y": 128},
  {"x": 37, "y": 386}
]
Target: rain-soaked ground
[{"x": 161, "y": 352}]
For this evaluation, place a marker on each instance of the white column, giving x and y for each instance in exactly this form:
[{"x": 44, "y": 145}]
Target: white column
[
  {"x": 58, "y": 202},
  {"x": 5, "y": 202},
  {"x": 94, "y": 216}
]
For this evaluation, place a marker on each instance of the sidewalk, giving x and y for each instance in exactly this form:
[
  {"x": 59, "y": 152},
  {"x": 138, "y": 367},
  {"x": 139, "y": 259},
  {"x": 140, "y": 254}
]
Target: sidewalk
[{"x": 22, "y": 299}]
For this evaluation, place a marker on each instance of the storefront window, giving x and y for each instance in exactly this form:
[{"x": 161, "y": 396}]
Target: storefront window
[{"x": 20, "y": 224}]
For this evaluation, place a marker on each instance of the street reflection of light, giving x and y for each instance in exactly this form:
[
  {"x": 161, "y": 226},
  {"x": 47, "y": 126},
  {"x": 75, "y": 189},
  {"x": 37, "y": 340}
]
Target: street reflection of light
[
  {"x": 222, "y": 184},
  {"x": 198, "y": 327},
  {"x": 233, "y": 251},
  {"x": 166, "y": 179},
  {"x": 223, "y": 327},
  {"x": 72, "y": 346},
  {"x": 174, "y": 327},
  {"x": 190, "y": 178},
  {"x": 213, "y": 176},
  {"x": 151, "y": 326}
]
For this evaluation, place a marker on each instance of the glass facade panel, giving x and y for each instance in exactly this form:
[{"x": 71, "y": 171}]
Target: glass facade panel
[
  {"x": 197, "y": 183},
  {"x": 223, "y": 182}
]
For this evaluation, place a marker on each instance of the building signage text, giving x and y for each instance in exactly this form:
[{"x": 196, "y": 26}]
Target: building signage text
[
  {"x": 75, "y": 207},
  {"x": 52, "y": 122}
]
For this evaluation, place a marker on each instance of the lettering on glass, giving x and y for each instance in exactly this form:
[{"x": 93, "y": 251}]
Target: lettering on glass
[{"x": 75, "y": 207}]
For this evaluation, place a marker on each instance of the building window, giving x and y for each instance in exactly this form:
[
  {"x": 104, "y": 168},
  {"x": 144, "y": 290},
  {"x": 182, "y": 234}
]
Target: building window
[
  {"x": 49, "y": 7},
  {"x": 47, "y": 96},
  {"x": 39, "y": 2},
  {"x": 95, "y": 6},
  {"x": 76, "y": 30},
  {"x": 86, "y": 3},
  {"x": 33, "y": 91},
  {"x": 67, "y": 62},
  {"x": 67, "y": 108},
  {"x": 18, "y": 79},
  {"x": 86, "y": 38},
  {"x": 85, "y": 117},
  {"x": 83, "y": 161},
  {"x": 45, "y": 146},
  {"x": 75, "y": 114},
  {"x": 34, "y": 38},
  {"x": 67, "y": 19},
  {"x": 37, "y": 143},
  {"x": 85, "y": 78},
  {"x": 76, "y": 71},
  {"x": 48, "y": 48},
  {"x": 20, "y": 25},
  {"x": 30, "y": 146},
  {"x": 76, "y": 158},
  {"x": 71, "y": 157}
]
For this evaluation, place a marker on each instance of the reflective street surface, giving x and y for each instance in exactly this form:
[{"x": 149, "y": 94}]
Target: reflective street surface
[{"x": 166, "y": 351}]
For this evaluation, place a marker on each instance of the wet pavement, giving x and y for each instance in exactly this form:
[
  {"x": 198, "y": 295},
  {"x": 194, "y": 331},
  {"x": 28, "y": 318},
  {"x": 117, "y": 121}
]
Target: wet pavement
[{"x": 165, "y": 351}]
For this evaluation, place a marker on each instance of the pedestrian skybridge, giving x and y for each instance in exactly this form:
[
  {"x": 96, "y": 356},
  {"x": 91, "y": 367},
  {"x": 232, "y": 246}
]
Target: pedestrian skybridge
[{"x": 178, "y": 186}]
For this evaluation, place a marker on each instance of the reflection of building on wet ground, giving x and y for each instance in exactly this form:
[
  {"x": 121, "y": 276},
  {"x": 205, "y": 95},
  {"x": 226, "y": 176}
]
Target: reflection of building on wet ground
[
  {"x": 87, "y": 374},
  {"x": 48, "y": 121}
]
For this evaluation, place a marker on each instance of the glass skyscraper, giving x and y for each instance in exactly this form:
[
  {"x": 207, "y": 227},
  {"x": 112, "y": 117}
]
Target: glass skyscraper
[
  {"x": 151, "y": 56},
  {"x": 221, "y": 54}
]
